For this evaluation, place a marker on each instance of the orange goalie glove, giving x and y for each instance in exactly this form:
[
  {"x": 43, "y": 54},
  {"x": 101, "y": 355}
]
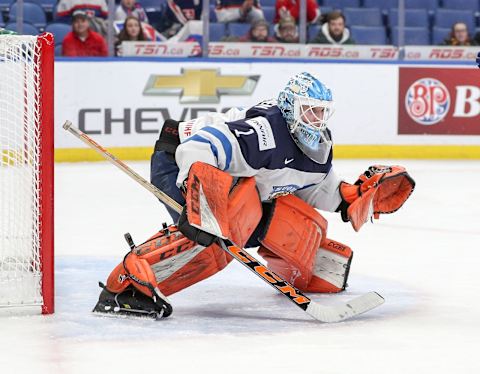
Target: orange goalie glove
[{"x": 380, "y": 189}]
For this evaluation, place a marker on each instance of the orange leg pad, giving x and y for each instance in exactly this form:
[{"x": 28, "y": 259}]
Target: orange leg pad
[
  {"x": 169, "y": 261},
  {"x": 293, "y": 234}
]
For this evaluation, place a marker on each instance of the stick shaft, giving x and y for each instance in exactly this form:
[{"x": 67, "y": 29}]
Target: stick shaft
[{"x": 121, "y": 165}]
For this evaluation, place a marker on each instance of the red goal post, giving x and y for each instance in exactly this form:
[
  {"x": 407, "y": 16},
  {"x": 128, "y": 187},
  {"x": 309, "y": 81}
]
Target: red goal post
[{"x": 26, "y": 171}]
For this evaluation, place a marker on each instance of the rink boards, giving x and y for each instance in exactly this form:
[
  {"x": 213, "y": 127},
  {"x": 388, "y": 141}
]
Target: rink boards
[{"x": 383, "y": 110}]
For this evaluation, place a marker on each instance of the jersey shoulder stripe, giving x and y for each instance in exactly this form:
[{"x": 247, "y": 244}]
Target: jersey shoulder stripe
[
  {"x": 227, "y": 146},
  {"x": 201, "y": 139}
]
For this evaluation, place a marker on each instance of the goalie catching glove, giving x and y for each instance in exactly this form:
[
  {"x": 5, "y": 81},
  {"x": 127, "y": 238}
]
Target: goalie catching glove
[{"x": 379, "y": 190}]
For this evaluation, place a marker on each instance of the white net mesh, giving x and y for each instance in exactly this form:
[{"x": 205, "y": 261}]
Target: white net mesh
[{"x": 20, "y": 268}]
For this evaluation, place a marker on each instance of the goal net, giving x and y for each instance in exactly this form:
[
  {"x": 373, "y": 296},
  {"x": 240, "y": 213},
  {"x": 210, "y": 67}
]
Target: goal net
[{"x": 26, "y": 171}]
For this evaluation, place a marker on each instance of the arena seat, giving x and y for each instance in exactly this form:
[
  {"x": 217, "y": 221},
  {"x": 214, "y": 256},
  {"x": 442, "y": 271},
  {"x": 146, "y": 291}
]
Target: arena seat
[
  {"x": 151, "y": 5},
  {"x": 439, "y": 34},
  {"x": 238, "y": 29},
  {"x": 413, "y": 17},
  {"x": 363, "y": 16},
  {"x": 58, "y": 50},
  {"x": 461, "y": 4},
  {"x": 421, "y": 4},
  {"x": 47, "y": 5},
  {"x": 369, "y": 35},
  {"x": 269, "y": 13},
  {"x": 217, "y": 31},
  {"x": 341, "y": 4},
  {"x": 5, "y": 5},
  {"x": 413, "y": 36},
  {"x": 447, "y": 17},
  {"x": 326, "y": 9},
  {"x": 268, "y": 3},
  {"x": 59, "y": 30},
  {"x": 313, "y": 31},
  {"x": 28, "y": 29},
  {"x": 212, "y": 15},
  {"x": 384, "y": 5},
  {"x": 32, "y": 13}
]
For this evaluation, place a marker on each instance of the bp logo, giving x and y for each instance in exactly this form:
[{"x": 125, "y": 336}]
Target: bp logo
[{"x": 427, "y": 101}]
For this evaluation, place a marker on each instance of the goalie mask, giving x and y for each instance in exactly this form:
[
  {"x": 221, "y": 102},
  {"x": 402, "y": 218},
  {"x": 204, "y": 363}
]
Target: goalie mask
[{"x": 307, "y": 104}]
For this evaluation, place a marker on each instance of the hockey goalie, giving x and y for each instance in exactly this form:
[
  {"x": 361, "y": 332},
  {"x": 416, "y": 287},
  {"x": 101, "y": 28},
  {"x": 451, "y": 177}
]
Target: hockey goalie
[{"x": 259, "y": 178}]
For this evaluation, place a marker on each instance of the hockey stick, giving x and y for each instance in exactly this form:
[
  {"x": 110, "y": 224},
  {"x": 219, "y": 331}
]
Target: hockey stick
[{"x": 321, "y": 313}]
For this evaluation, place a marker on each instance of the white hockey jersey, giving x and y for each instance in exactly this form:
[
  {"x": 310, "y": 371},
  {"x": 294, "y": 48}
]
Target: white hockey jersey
[{"x": 256, "y": 142}]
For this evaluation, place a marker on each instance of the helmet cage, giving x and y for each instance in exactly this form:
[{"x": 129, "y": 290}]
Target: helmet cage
[{"x": 308, "y": 124}]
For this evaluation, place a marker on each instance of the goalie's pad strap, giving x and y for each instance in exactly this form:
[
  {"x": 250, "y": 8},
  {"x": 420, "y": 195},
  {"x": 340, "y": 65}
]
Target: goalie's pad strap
[{"x": 294, "y": 233}]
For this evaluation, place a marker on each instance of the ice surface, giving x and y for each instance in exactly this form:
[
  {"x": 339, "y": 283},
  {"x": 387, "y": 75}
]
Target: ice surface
[{"x": 424, "y": 260}]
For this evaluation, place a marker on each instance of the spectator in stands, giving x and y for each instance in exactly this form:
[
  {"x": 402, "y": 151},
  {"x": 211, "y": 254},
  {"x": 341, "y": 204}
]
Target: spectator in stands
[
  {"x": 285, "y": 8},
  {"x": 130, "y": 8},
  {"x": 459, "y": 35},
  {"x": 258, "y": 33},
  {"x": 132, "y": 31},
  {"x": 238, "y": 11},
  {"x": 178, "y": 13},
  {"x": 82, "y": 41},
  {"x": 286, "y": 30},
  {"x": 334, "y": 30},
  {"x": 96, "y": 10}
]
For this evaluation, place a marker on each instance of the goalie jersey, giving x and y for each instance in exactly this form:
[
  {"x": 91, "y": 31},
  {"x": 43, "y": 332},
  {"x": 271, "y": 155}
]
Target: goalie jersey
[{"x": 256, "y": 142}]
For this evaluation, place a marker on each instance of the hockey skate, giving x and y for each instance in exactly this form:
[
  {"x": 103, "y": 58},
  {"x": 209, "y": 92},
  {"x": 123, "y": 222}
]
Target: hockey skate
[{"x": 131, "y": 302}]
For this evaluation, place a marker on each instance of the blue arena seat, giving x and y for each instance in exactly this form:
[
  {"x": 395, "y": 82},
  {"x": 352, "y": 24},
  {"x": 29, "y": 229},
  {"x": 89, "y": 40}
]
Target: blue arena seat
[
  {"x": 382, "y": 4},
  {"x": 421, "y": 4},
  {"x": 151, "y": 5},
  {"x": 461, "y": 4},
  {"x": 47, "y": 5},
  {"x": 212, "y": 14},
  {"x": 340, "y": 4},
  {"x": 413, "y": 17},
  {"x": 269, "y": 13},
  {"x": 369, "y": 35},
  {"x": 268, "y": 3},
  {"x": 326, "y": 9},
  {"x": 59, "y": 30},
  {"x": 447, "y": 17},
  {"x": 439, "y": 34},
  {"x": 5, "y": 5},
  {"x": 58, "y": 50},
  {"x": 313, "y": 31},
  {"x": 217, "y": 31},
  {"x": 363, "y": 16},
  {"x": 238, "y": 29},
  {"x": 28, "y": 29},
  {"x": 32, "y": 13},
  {"x": 412, "y": 36}
]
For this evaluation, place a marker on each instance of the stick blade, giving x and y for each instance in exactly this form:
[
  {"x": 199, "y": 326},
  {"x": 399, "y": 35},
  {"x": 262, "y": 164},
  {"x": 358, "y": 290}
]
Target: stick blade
[{"x": 351, "y": 309}]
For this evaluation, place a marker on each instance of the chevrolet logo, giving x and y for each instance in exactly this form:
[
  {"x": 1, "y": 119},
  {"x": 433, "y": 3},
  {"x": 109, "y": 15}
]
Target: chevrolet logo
[{"x": 200, "y": 86}]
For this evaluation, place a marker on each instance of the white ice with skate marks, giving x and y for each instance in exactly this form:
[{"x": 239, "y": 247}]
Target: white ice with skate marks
[{"x": 422, "y": 259}]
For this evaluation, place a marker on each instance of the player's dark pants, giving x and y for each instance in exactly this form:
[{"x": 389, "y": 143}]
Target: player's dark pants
[{"x": 163, "y": 175}]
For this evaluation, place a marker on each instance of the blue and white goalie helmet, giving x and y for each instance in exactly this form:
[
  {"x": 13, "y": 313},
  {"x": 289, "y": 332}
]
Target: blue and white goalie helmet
[{"x": 307, "y": 105}]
